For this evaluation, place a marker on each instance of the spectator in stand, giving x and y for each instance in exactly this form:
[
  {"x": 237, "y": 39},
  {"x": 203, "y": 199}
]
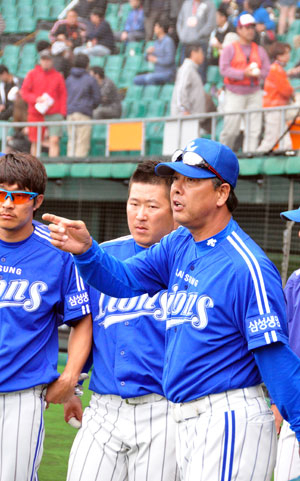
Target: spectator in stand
[
  {"x": 83, "y": 97},
  {"x": 99, "y": 36},
  {"x": 154, "y": 10},
  {"x": 70, "y": 30},
  {"x": 9, "y": 87},
  {"x": 44, "y": 90},
  {"x": 189, "y": 94},
  {"x": 287, "y": 12},
  {"x": 218, "y": 34},
  {"x": 162, "y": 54},
  {"x": 175, "y": 6},
  {"x": 110, "y": 105},
  {"x": 265, "y": 26},
  {"x": 244, "y": 65},
  {"x": 196, "y": 21},
  {"x": 85, "y": 7},
  {"x": 134, "y": 27},
  {"x": 277, "y": 91},
  {"x": 61, "y": 55}
]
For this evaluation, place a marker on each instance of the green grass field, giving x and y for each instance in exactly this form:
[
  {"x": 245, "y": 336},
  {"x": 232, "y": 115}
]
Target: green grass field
[{"x": 58, "y": 441}]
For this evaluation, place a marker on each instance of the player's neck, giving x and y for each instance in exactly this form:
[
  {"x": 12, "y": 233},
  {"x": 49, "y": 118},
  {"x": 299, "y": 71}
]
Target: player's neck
[
  {"x": 210, "y": 229},
  {"x": 16, "y": 235}
]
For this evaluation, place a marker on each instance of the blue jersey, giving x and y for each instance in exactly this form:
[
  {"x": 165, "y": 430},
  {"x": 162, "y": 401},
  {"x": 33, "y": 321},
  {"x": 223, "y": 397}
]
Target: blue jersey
[
  {"x": 292, "y": 295},
  {"x": 129, "y": 336},
  {"x": 39, "y": 289},
  {"x": 224, "y": 300}
]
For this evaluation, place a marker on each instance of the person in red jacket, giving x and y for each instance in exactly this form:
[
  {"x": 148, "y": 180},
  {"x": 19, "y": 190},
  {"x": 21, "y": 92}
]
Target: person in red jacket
[
  {"x": 45, "y": 92},
  {"x": 277, "y": 91}
]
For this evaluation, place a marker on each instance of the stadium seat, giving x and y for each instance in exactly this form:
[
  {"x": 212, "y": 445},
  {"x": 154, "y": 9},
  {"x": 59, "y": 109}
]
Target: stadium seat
[
  {"x": 166, "y": 92},
  {"x": 98, "y": 140},
  {"x": 11, "y": 25},
  {"x": 10, "y": 57},
  {"x": 126, "y": 106},
  {"x": 112, "y": 9},
  {"x": 146, "y": 66},
  {"x": 115, "y": 62},
  {"x": 27, "y": 24},
  {"x": 113, "y": 74},
  {"x": 133, "y": 48},
  {"x": 55, "y": 10},
  {"x": 126, "y": 78},
  {"x": 130, "y": 69},
  {"x": 124, "y": 10},
  {"x": 97, "y": 61},
  {"x": 134, "y": 92},
  {"x": 113, "y": 22},
  {"x": 151, "y": 92},
  {"x": 8, "y": 9},
  {"x": 42, "y": 12},
  {"x": 29, "y": 50},
  {"x": 138, "y": 109},
  {"x": 155, "y": 108},
  {"x": 213, "y": 76},
  {"x": 42, "y": 35},
  {"x": 24, "y": 10},
  {"x": 154, "y": 138}
]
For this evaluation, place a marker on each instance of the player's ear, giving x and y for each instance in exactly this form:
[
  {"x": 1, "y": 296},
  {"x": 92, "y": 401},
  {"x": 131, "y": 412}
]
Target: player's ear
[
  {"x": 38, "y": 201},
  {"x": 223, "y": 194}
]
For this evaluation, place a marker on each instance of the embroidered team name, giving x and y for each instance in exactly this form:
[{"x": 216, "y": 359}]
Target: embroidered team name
[
  {"x": 78, "y": 300},
  {"x": 186, "y": 277},
  {"x": 10, "y": 270},
  {"x": 20, "y": 293},
  {"x": 262, "y": 324}
]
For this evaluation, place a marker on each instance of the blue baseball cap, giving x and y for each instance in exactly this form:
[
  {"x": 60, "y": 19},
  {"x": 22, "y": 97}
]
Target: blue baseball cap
[
  {"x": 203, "y": 159},
  {"x": 291, "y": 215}
]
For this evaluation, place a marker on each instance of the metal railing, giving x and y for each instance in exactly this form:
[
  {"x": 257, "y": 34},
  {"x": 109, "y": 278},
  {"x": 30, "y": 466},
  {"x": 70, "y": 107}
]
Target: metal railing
[{"x": 214, "y": 116}]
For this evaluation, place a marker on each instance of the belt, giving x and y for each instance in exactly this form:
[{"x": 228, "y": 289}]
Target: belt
[
  {"x": 148, "y": 398},
  {"x": 212, "y": 402}
]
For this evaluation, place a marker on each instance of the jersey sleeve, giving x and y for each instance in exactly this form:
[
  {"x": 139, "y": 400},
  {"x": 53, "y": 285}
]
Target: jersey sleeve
[
  {"x": 75, "y": 297},
  {"x": 292, "y": 296},
  {"x": 146, "y": 272},
  {"x": 261, "y": 304}
]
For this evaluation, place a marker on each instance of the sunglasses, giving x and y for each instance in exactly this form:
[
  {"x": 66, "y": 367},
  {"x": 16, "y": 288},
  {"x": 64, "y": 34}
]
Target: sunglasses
[
  {"x": 194, "y": 160},
  {"x": 17, "y": 196}
]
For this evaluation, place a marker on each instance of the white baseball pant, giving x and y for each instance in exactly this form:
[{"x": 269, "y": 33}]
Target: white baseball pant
[
  {"x": 125, "y": 439},
  {"x": 226, "y": 437},
  {"x": 21, "y": 434},
  {"x": 288, "y": 460}
]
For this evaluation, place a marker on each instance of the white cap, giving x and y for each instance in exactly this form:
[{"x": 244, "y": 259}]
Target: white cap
[
  {"x": 245, "y": 20},
  {"x": 58, "y": 47}
]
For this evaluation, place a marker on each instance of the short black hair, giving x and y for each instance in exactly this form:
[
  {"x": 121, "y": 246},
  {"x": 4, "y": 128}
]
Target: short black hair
[
  {"x": 100, "y": 12},
  {"x": 192, "y": 48},
  {"x": 42, "y": 45},
  {"x": 81, "y": 60},
  {"x": 163, "y": 23},
  {"x": 254, "y": 4},
  {"x": 223, "y": 10},
  {"x": 98, "y": 71},
  {"x": 3, "y": 69},
  {"x": 232, "y": 201},
  {"x": 145, "y": 174}
]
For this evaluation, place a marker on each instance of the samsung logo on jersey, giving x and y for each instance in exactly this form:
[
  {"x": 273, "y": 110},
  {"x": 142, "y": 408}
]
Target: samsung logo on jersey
[
  {"x": 20, "y": 293},
  {"x": 11, "y": 270}
]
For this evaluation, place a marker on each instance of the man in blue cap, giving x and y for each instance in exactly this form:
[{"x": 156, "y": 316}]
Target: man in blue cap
[
  {"x": 226, "y": 321},
  {"x": 288, "y": 461}
]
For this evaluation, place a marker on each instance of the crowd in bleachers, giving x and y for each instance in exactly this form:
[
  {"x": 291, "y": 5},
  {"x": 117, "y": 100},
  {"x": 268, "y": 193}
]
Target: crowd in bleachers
[{"x": 102, "y": 60}]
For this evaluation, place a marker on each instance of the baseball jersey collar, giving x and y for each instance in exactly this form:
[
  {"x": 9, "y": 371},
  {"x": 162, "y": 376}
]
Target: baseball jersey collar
[{"x": 205, "y": 246}]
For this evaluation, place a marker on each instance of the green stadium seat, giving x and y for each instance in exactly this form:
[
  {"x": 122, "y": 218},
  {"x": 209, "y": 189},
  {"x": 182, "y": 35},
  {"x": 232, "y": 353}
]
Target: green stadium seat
[
  {"x": 154, "y": 138},
  {"x": 151, "y": 92},
  {"x": 8, "y": 9},
  {"x": 133, "y": 48},
  {"x": 115, "y": 62},
  {"x": 130, "y": 69},
  {"x": 146, "y": 66},
  {"x": 112, "y": 9},
  {"x": 55, "y": 10},
  {"x": 11, "y": 51},
  {"x": 29, "y": 50},
  {"x": 27, "y": 24},
  {"x": 124, "y": 10},
  {"x": 97, "y": 61},
  {"x": 126, "y": 106},
  {"x": 99, "y": 133},
  {"x": 42, "y": 35},
  {"x": 213, "y": 76},
  {"x": 134, "y": 92},
  {"x": 156, "y": 108},
  {"x": 42, "y": 12},
  {"x": 113, "y": 74},
  {"x": 11, "y": 25},
  {"x": 24, "y": 10},
  {"x": 126, "y": 78},
  {"x": 24, "y": 2},
  {"x": 166, "y": 92},
  {"x": 113, "y": 22},
  {"x": 138, "y": 109}
]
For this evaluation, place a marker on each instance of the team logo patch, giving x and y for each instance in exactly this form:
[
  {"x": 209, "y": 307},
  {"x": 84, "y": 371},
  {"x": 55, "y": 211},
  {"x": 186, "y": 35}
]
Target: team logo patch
[
  {"x": 78, "y": 300},
  {"x": 211, "y": 242}
]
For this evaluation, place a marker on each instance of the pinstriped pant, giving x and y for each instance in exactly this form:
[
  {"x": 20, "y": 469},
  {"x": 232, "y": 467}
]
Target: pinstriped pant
[
  {"x": 234, "y": 440},
  {"x": 21, "y": 434},
  {"x": 288, "y": 461},
  {"x": 120, "y": 441}
]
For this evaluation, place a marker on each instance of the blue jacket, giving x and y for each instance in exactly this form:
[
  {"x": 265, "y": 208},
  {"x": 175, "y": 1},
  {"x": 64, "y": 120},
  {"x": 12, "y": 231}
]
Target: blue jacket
[
  {"x": 83, "y": 92},
  {"x": 135, "y": 20}
]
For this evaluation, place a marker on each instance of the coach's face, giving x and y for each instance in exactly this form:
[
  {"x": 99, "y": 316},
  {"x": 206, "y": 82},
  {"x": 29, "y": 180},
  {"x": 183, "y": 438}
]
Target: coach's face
[
  {"x": 149, "y": 213},
  {"x": 198, "y": 206},
  {"x": 16, "y": 220}
]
